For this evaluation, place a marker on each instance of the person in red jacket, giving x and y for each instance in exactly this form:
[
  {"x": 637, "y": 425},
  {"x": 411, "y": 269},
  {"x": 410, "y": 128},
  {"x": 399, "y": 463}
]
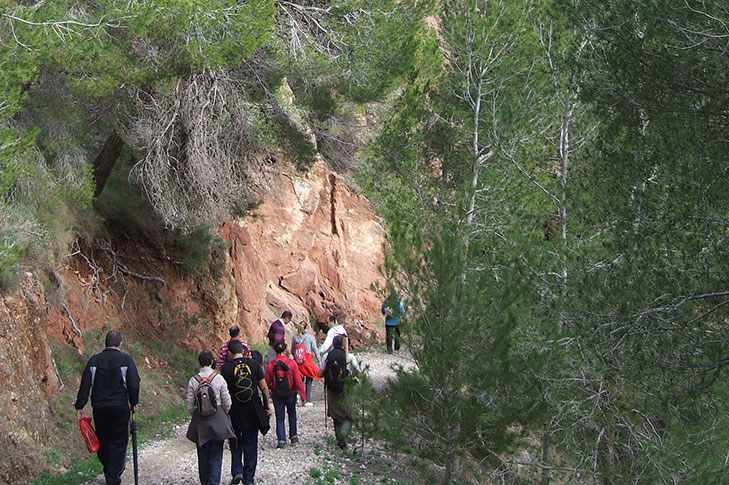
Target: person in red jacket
[{"x": 284, "y": 380}]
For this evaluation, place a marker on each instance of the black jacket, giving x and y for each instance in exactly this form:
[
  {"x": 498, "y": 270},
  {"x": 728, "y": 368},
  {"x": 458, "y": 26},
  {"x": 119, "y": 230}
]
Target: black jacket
[{"x": 112, "y": 378}]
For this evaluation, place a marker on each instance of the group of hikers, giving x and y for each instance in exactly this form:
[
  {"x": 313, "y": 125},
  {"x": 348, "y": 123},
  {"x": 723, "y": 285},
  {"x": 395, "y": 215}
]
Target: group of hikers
[{"x": 231, "y": 396}]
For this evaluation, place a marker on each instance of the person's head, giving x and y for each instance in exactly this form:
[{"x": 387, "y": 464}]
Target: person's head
[
  {"x": 234, "y": 331},
  {"x": 338, "y": 342},
  {"x": 286, "y": 316},
  {"x": 257, "y": 356},
  {"x": 279, "y": 347},
  {"x": 301, "y": 327},
  {"x": 332, "y": 320},
  {"x": 205, "y": 359},
  {"x": 235, "y": 347},
  {"x": 113, "y": 339}
]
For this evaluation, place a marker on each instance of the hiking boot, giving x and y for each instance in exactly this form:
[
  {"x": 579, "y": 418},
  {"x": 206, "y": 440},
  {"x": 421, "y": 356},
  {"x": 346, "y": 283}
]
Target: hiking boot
[
  {"x": 294, "y": 440},
  {"x": 280, "y": 445},
  {"x": 236, "y": 479},
  {"x": 308, "y": 404},
  {"x": 342, "y": 445}
]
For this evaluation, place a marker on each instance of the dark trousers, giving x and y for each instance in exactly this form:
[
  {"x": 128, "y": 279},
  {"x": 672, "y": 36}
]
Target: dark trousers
[
  {"x": 392, "y": 332},
  {"x": 283, "y": 406},
  {"x": 244, "y": 455},
  {"x": 112, "y": 428},
  {"x": 307, "y": 386},
  {"x": 209, "y": 462}
]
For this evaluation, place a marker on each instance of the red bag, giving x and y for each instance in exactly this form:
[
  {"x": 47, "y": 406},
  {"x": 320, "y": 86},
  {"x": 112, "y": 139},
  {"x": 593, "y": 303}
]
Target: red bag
[{"x": 88, "y": 433}]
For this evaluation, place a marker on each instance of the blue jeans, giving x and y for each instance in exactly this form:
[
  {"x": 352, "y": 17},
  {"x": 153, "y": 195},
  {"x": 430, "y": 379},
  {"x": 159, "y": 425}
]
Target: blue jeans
[
  {"x": 209, "y": 462},
  {"x": 285, "y": 405},
  {"x": 244, "y": 455}
]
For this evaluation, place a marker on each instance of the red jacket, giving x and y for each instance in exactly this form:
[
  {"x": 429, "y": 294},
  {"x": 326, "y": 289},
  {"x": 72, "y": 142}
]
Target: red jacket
[{"x": 294, "y": 375}]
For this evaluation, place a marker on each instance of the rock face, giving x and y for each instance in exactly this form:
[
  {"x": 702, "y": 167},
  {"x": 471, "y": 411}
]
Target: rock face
[
  {"x": 313, "y": 247},
  {"x": 29, "y": 380}
]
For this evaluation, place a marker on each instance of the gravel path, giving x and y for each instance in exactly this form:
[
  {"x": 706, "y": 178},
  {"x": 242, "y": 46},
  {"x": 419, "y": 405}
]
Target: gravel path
[{"x": 174, "y": 460}]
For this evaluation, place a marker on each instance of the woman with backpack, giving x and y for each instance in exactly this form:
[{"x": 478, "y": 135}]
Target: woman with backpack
[
  {"x": 304, "y": 349},
  {"x": 284, "y": 381},
  {"x": 208, "y": 401}
]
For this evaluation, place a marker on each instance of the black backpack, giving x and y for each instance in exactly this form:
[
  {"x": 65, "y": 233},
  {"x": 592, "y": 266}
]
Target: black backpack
[
  {"x": 336, "y": 370},
  {"x": 205, "y": 400},
  {"x": 257, "y": 356},
  {"x": 281, "y": 380},
  {"x": 242, "y": 382}
]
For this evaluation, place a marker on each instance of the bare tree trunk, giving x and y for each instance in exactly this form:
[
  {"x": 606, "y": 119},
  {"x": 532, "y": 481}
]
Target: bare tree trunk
[
  {"x": 545, "y": 454},
  {"x": 564, "y": 152},
  {"x": 105, "y": 160},
  {"x": 476, "y": 167}
]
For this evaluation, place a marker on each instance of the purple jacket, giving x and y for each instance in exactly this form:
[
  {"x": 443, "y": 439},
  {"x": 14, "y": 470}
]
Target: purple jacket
[{"x": 277, "y": 332}]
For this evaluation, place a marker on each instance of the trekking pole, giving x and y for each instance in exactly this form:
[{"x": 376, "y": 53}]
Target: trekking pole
[
  {"x": 135, "y": 458},
  {"x": 326, "y": 405}
]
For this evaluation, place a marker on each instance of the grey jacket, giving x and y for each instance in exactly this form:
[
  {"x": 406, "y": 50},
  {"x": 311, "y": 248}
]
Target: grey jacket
[
  {"x": 216, "y": 427},
  {"x": 309, "y": 343}
]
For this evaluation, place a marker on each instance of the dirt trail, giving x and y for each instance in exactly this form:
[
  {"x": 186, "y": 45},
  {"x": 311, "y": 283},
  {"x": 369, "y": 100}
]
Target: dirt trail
[{"x": 174, "y": 460}]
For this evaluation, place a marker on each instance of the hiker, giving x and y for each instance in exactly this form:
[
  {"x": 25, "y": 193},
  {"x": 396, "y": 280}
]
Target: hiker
[
  {"x": 208, "y": 401},
  {"x": 334, "y": 371},
  {"x": 284, "y": 379},
  {"x": 234, "y": 333},
  {"x": 393, "y": 310},
  {"x": 303, "y": 349},
  {"x": 277, "y": 333},
  {"x": 113, "y": 381},
  {"x": 248, "y": 414},
  {"x": 335, "y": 328}
]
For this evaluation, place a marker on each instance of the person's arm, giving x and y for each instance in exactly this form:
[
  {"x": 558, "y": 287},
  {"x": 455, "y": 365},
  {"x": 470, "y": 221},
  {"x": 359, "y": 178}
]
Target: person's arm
[
  {"x": 133, "y": 384},
  {"x": 83, "y": 391},
  {"x": 314, "y": 349},
  {"x": 327, "y": 345},
  {"x": 296, "y": 374},
  {"x": 322, "y": 367},
  {"x": 224, "y": 393},
  {"x": 221, "y": 356},
  {"x": 268, "y": 375},
  {"x": 266, "y": 397},
  {"x": 190, "y": 395},
  {"x": 353, "y": 362}
]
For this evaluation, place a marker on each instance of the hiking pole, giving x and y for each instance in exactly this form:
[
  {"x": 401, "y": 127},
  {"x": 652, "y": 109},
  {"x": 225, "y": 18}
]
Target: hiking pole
[
  {"x": 326, "y": 404},
  {"x": 133, "y": 431}
]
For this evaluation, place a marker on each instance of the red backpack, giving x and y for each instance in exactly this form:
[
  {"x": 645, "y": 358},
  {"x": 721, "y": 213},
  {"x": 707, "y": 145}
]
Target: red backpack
[{"x": 299, "y": 353}]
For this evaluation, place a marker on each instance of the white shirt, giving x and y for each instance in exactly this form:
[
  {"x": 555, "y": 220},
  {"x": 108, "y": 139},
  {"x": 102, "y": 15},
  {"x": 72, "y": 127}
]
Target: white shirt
[{"x": 329, "y": 341}]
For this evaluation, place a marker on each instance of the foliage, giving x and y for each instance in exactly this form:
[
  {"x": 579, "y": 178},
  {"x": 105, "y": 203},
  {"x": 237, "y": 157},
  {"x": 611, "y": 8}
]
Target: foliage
[
  {"x": 79, "y": 472},
  {"x": 620, "y": 319}
]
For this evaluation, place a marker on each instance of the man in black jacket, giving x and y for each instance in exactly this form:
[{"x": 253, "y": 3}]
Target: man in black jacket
[
  {"x": 248, "y": 414},
  {"x": 113, "y": 381}
]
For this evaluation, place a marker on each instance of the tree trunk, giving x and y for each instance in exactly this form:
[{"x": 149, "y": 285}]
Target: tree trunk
[
  {"x": 104, "y": 162},
  {"x": 545, "y": 455}
]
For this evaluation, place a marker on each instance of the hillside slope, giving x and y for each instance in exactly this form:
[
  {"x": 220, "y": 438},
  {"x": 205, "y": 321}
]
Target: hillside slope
[{"x": 313, "y": 247}]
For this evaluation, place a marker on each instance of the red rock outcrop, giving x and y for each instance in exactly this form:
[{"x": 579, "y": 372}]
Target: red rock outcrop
[
  {"x": 29, "y": 379},
  {"x": 314, "y": 247}
]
